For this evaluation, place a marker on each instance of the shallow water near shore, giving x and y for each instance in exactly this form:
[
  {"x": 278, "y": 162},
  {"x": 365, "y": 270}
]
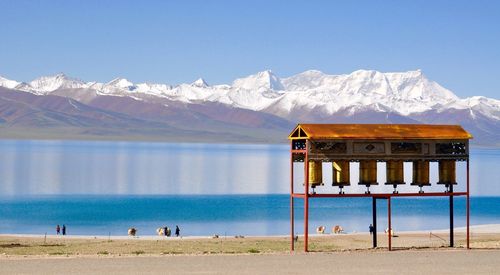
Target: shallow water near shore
[
  {"x": 227, "y": 214},
  {"x": 198, "y": 187}
]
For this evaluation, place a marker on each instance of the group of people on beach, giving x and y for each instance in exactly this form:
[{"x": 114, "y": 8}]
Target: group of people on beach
[
  {"x": 60, "y": 230},
  {"x": 165, "y": 231}
]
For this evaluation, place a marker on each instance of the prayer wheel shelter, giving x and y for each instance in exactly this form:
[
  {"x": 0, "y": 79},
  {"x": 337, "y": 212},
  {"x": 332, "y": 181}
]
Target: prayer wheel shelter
[{"x": 394, "y": 144}]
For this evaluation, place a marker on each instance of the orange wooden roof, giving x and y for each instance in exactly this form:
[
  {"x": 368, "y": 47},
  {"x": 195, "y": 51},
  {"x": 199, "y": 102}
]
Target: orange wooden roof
[{"x": 379, "y": 131}]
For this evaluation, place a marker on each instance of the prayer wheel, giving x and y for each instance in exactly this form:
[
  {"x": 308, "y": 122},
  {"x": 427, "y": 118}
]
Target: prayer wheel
[
  {"x": 421, "y": 173},
  {"x": 447, "y": 175},
  {"x": 368, "y": 172},
  {"x": 341, "y": 176},
  {"x": 395, "y": 172},
  {"x": 315, "y": 173}
]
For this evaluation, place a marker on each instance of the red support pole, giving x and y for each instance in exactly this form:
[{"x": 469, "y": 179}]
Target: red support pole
[
  {"x": 292, "y": 222},
  {"x": 306, "y": 200},
  {"x": 468, "y": 207},
  {"x": 389, "y": 221},
  {"x": 374, "y": 221},
  {"x": 451, "y": 217}
]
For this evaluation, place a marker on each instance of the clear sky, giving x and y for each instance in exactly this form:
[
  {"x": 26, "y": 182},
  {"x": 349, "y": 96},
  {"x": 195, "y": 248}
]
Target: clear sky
[{"x": 456, "y": 43}]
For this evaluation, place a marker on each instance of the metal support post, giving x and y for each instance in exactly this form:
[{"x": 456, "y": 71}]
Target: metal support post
[
  {"x": 389, "y": 221},
  {"x": 451, "y": 215},
  {"x": 374, "y": 222},
  {"x": 468, "y": 207},
  {"x": 306, "y": 200},
  {"x": 292, "y": 220}
]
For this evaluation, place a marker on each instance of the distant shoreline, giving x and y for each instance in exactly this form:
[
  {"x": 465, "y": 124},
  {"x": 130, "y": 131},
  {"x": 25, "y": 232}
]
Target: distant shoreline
[
  {"x": 156, "y": 139},
  {"x": 147, "y": 139}
]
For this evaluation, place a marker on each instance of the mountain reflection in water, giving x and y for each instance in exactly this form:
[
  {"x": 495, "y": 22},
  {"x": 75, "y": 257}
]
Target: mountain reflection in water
[{"x": 90, "y": 167}]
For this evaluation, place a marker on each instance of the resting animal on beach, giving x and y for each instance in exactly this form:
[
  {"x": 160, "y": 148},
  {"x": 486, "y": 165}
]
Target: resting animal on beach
[
  {"x": 338, "y": 229},
  {"x": 320, "y": 230},
  {"x": 132, "y": 231}
]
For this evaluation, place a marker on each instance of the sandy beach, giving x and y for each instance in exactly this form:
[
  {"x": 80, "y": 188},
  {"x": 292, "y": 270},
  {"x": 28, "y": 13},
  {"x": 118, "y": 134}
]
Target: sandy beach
[
  {"x": 414, "y": 253},
  {"x": 381, "y": 262}
]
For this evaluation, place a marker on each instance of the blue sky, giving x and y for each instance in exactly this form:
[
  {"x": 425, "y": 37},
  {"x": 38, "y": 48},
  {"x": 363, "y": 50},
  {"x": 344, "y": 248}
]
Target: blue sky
[{"x": 456, "y": 43}]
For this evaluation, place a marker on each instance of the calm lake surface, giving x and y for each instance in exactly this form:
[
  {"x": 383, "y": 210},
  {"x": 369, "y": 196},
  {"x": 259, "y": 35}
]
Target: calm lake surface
[{"x": 105, "y": 187}]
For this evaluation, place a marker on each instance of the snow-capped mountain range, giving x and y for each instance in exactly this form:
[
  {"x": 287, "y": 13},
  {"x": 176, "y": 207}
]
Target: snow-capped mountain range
[{"x": 312, "y": 96}]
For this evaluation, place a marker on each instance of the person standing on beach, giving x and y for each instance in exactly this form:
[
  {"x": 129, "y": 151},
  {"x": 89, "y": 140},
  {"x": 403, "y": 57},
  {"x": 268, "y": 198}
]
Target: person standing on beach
[
  {"x": 58, "y": 229},
  {"x": 177, "y": 231},
  {"x": 64, "y": 229},
  {"x": 371, "y": 229}
]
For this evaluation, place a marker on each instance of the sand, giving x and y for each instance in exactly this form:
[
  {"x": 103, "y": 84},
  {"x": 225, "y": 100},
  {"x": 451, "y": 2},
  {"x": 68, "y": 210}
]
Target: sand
[
  {"x": 414, "y": 253},
  {"x": 396, "y": 262}
]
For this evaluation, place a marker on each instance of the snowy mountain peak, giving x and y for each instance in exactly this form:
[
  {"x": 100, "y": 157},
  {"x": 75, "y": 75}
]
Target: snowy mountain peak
[
  {"x": 306, "y": 80},
  {"x": 51, "y": 83},
  {"x": 52, "y": 78},
  {"x": 416, "y": 73},
  {"x": 265, "y": 80},
  {"x": 414, "y": 85},
  {"x": 7, "y": 83},
  {"x": 312, "y": 72},
  {"x": 200, "y": 82},
  {"x": 121, "y": 83},
  {"x": 365, "y": 73}
]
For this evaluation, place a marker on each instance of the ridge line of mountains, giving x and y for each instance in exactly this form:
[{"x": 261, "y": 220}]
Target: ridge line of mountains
[{"x": 261, "y": 108}]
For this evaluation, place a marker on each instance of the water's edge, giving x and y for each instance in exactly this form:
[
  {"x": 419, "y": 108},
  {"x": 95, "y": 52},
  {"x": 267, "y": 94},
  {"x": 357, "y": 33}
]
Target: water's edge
[{"x": 248, "y": 215}]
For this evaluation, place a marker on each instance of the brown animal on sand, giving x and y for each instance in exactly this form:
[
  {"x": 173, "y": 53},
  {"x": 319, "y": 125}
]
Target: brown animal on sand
[
  {"x": 337, "y": 229},
  {"x": 320, "y": 229}
]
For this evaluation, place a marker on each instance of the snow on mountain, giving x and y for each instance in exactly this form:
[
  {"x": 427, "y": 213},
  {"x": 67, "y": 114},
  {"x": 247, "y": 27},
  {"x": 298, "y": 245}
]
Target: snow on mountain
[
  {"x": 404, "y": 93},
  {"x": 304, "y": 81},
  {"x": 154, "y": 89},
  {"x": 47, "y": 84},
  {"x": 265, "y": 80},
  {"x": 486, "y": 106},
  {"x": 313, "y": 91},
  {"x": 117, "y": 86},
  {"x": 7, "y": 83},
  {"x": 124, "y": 87},
  {"x": 255, "y": 92},
  {"x": 414, "y": 85},
  {"x": 200, "y": 82},
  {"x": 122, "y": 83}
]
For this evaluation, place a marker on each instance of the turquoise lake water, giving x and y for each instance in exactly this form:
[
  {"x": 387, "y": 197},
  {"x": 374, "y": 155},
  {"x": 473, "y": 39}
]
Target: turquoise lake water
[
  {"x": 226, "y": 214},
  {"x": 102, "y": 188}
]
